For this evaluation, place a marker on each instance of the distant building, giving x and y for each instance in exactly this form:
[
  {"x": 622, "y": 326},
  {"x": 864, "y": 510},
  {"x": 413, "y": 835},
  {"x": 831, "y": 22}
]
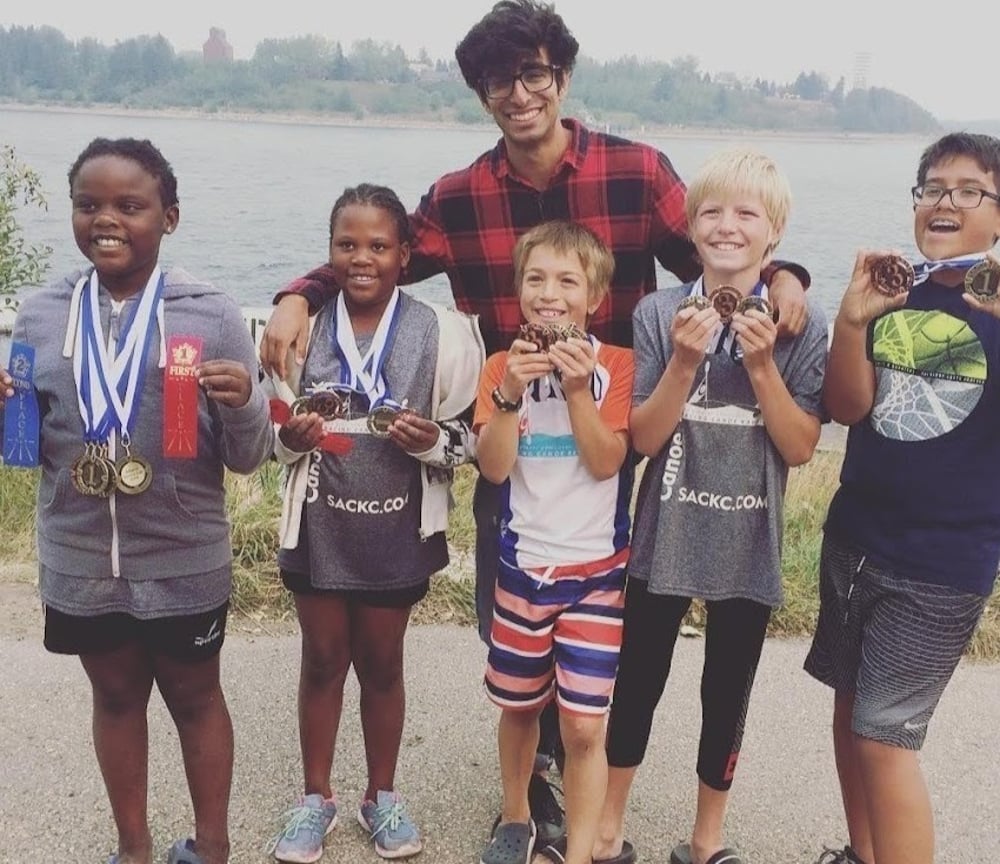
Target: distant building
[
  {"x": 216, "y": 49},
  {"x": 862, "y": 69}
]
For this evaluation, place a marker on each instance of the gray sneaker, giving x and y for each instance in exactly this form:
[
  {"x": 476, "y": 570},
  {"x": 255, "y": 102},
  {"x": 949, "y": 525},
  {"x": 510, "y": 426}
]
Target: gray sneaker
[
  {"x": 306, "y": 824},
  {"x": 389, "y": 826}
]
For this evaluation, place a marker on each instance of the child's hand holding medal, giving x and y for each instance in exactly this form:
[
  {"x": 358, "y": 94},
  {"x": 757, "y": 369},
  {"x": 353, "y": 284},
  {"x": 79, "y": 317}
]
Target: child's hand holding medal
[
  {"x": 690, "y": 332},
  {"x": 526, "y": 362},
  {"x": 302, "y": 433},
  {"x": 573, "y": 358},
  {"x": 878, "y": 284},
  {"x": 756, "y": 333},
  {"x": 413, "y": 433}
]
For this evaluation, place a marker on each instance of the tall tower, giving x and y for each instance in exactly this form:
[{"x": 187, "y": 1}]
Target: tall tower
[{"x": 862, "y": 66}]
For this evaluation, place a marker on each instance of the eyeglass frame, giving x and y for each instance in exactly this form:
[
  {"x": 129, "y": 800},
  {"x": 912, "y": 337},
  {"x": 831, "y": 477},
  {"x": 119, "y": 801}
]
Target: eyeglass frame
[
  {"x": 951, "y": 197},
  {"x": 551, "y": 68}
]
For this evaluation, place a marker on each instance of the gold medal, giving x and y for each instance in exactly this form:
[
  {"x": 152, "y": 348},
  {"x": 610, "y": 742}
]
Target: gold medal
[
  {"x": 91, "y": 474},
  {"x": 982, "y": 280},
  {"x": 380, "y": 419},
  {"x": 698, "y": 301},
  {"x": 753, "y": 301},
  {"x": 302, "y": 405},
  {"x": 892, "y": 275},
  {"x": 725, "y": 299},
  {"x": 135, "y": 474}
]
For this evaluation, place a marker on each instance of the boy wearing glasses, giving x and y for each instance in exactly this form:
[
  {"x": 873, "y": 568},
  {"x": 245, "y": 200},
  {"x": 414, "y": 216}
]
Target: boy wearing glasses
[{"x": 912, "y": 539}]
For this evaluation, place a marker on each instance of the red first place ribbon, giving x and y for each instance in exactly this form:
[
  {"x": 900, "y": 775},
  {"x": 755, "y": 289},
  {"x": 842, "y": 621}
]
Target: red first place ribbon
[{"x": 180, "y": 397}]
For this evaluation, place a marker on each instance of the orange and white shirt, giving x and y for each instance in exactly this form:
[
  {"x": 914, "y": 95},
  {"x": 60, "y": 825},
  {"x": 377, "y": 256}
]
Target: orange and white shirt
[{"x": 553, "y": 511}]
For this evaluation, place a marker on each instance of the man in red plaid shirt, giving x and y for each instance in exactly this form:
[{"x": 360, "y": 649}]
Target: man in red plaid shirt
[{"x": 519, "y": 61}]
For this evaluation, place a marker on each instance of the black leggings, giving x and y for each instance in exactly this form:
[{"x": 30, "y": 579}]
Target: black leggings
[{"x": 734, "y": 636}]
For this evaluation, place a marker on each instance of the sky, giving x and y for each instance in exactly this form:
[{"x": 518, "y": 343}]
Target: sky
[{"x": 949, "y": 71}]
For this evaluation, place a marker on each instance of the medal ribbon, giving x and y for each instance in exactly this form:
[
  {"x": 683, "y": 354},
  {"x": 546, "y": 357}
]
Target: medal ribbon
[
  {"x": 21, "y": 416},
  {"x": 108, "y": 384},
  {"x": 924, "y": 269},
  {"x": 366, "y": 373},
  {"x": 723, "y": 339}
]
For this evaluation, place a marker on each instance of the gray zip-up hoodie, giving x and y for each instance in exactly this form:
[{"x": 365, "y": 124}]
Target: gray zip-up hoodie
[{"x": 178, "y": 526}]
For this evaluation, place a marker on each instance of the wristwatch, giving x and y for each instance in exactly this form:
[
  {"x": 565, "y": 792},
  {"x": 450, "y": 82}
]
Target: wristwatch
[{"x": 503, "y": 403}]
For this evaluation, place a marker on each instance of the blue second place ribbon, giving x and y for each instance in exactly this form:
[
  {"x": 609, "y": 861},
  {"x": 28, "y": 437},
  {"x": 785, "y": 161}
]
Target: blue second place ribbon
[{"x": 21, "y": 431}]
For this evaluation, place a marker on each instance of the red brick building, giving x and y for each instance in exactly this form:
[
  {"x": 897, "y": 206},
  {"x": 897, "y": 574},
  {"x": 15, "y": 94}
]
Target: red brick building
[{"x": 216, "y": 49}]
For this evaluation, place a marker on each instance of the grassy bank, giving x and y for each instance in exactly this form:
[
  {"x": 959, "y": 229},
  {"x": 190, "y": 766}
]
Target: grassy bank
[{"x": 254, "y": 505}]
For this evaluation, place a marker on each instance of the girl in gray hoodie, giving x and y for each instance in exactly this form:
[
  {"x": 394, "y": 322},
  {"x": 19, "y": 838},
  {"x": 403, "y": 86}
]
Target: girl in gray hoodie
[{"x": 145, "y": 397}]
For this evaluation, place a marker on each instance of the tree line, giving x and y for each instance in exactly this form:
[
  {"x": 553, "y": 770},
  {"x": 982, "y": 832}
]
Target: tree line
[{"x": 316, "y": 74}]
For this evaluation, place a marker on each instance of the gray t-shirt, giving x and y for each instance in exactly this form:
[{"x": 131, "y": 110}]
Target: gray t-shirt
[
  {"x": 363, "y": 509},
  {"x": 709, "y": 514}
]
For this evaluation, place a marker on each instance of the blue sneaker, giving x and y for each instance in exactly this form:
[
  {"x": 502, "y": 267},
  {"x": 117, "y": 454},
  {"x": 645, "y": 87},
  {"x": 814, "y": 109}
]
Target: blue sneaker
[
  {"x": 182, "y": 852},
  {"x": 390, "y": 826},
  {"x": 306, "y": 824}
]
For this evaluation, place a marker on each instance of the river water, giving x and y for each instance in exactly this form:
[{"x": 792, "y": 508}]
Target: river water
[{"x": 256, "y": 195}]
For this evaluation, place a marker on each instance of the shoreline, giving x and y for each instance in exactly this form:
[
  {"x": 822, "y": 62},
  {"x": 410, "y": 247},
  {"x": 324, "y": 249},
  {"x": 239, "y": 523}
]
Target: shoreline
[{"x": 300, "y": 118}]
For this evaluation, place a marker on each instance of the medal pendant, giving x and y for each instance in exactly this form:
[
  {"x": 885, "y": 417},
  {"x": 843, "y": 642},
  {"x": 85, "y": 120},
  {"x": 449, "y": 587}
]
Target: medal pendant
[
  {"x": 698, "y": 301},
  {"x": 753, "y": 301},
  {"x": 91, "y": 474},
  {"x": 380, "y": 419},
  {"x": 982, "y": 280},
  {"x": 892, "y": 275},
  {"x": 134, "y": 474},
  {"x": 302, "y": 405},
  {"x": 328, "y": 404},
  {"x": 726, "y": 300}
]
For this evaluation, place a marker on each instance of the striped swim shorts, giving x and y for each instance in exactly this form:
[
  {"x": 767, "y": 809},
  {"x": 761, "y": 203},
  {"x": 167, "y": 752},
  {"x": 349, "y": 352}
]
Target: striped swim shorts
[{"x": 557, "y": 630}]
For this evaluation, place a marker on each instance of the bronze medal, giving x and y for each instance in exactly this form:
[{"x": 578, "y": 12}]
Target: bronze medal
[
  {"x": 565, "y": 332},
  {"x": 892, "y": 275},
  {"x": 536, "y": 334},
  {"x": 91, "y": 474},
  {"x": 753, "y": 301},
  {"x": 982, "y": 280},
  {"x": 380, "y": 419},
  {"x": 135, "y": 474},
  {"x": 725, "y": 299},
  {"x": 698, "y": 301},
  {"x": 327, "y": 404}
]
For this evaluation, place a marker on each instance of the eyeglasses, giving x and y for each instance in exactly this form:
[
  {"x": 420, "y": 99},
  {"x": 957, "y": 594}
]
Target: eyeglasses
[
  {"x": 962, "y": 197},
  {"x": 534, "y": 79}
]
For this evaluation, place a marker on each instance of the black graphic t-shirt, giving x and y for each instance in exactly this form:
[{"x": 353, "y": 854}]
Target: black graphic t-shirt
[{"x": 921, "y": 476}]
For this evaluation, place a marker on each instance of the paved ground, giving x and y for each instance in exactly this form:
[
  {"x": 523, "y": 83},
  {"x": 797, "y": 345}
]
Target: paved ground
[{"x": 785, "y": 805}]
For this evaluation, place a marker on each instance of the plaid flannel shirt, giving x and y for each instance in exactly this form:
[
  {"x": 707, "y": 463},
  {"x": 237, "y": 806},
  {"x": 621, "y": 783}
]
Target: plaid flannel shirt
[{"x": 468, "y": 222}]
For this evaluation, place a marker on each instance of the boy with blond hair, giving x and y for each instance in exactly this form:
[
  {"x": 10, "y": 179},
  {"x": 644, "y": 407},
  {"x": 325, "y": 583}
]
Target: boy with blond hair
[
  {"x": 552, "y": 421},
  {"x": 722, "y": 409}
]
